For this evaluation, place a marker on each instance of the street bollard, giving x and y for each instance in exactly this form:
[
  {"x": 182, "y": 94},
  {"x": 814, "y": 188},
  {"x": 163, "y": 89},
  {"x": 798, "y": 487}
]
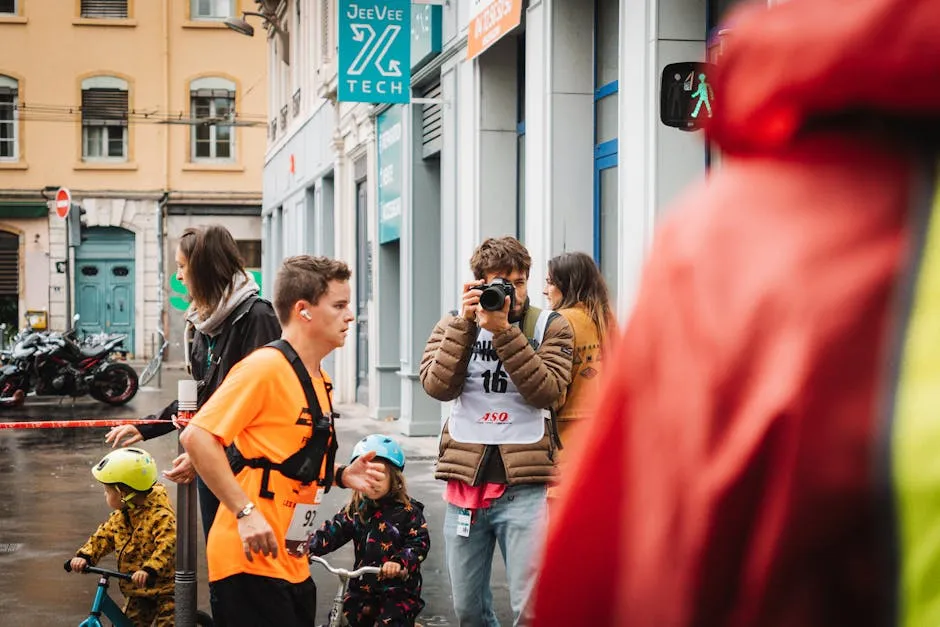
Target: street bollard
[{"x": 186, "y": 522}]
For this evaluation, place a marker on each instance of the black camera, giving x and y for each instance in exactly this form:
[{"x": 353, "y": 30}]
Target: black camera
[{"x": 494, "y": 295}]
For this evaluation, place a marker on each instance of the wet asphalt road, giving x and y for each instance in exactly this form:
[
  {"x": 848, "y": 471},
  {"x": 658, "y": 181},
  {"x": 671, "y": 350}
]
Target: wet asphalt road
[{"x": 50, "y": 504}]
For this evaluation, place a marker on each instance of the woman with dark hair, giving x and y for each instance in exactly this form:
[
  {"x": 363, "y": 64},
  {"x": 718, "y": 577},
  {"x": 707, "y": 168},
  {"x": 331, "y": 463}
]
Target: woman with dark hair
[
  {"x": 575, "y": 288},
  {"x": 226, "y": 320}
]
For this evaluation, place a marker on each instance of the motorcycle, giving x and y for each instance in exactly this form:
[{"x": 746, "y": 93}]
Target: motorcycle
[{"x": 59, "y": 365}]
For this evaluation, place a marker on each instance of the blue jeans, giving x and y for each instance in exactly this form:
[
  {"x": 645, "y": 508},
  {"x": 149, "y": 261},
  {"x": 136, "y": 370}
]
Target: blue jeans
[{"x": 515, "y": 521}]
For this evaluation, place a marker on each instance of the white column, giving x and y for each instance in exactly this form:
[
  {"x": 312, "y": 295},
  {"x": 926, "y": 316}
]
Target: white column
[
  {"x": 538, "y": 138},
  {"x": 656, "y": 162},
  {"x": 420, "y": 262},
  {"x": 344, "y": 239},
  {"x": 571, "y": 116}
]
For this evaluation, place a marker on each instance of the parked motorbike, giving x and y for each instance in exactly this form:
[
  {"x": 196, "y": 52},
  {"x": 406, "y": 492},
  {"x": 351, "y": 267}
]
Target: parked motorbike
[{"x": 59, "y": 365}]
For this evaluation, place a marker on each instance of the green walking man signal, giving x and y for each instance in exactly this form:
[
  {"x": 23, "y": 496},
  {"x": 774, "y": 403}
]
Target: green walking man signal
[
  {"x": 686, "y": 95},
  {"x": 703, "y": 95}
]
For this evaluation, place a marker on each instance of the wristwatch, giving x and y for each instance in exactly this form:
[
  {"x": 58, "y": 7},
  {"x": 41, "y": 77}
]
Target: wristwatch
[{"x": 245, "y": 511}]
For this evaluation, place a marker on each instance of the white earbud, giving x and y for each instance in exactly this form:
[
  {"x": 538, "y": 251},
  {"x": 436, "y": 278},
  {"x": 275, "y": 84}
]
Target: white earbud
[{"x": 305, "y": 314}]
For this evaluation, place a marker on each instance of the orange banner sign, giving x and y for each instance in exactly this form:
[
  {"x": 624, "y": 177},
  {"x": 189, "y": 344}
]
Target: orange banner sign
[{"x": 489, "y": 21}]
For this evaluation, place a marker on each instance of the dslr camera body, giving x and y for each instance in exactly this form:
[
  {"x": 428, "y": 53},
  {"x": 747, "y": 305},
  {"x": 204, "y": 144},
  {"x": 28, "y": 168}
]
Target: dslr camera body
[{"x": 494, "y": 294}]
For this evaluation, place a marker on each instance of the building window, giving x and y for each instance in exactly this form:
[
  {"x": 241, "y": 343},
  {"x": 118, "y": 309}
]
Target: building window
[
  {"x": 104, "y": 119},
  {"x": 606, "y": 125},
  {"x": 211, "y": 9},
  {"x": 7, "y": 7},
  {"x": 250, "y": 251},
  {"x": 212, "y": 103},
  {"x": 108, "y": 9},
  {"x": 9, "y": 119}
]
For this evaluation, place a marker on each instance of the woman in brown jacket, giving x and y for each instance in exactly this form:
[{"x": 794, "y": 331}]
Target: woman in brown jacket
[{"x": 575, "y": 288}]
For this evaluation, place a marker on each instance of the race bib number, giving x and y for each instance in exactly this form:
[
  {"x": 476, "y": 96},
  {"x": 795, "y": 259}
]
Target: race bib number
[
  {"x": 303, "y": 522},
  {"x": 495, "y": 418}
]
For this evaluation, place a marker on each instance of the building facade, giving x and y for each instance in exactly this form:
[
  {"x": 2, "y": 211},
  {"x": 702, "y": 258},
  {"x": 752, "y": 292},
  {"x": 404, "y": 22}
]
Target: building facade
[
  {"x": 154, "y": 117},
  {"x": 549, "y": 131}
]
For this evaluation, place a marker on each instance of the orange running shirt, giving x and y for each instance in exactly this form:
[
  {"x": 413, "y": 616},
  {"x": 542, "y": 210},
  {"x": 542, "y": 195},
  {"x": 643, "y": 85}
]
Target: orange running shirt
[{"x": 259, "y": 406}]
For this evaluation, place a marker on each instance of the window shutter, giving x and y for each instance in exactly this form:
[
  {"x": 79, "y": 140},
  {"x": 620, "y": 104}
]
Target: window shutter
[
  {"x": 104, "y": 107},
  {"x": 324, "y": 31},
  {"x": 114, "y": 9},
  {"x": 9, "y": 264},
  {"x": 431, "y": 123}
]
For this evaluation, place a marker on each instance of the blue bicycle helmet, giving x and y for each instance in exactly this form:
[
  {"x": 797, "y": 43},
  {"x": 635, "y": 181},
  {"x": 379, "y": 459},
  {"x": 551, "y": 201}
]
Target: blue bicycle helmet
[{"x": 385, "y": 448}]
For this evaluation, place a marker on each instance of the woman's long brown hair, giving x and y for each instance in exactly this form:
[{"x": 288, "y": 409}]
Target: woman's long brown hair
[
  {"x": 213, "y": 260},
  {"x": 580, "y": 281}
]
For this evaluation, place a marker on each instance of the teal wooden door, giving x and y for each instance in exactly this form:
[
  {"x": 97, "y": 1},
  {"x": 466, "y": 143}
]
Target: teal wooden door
[{"x": 104, "y": 283}]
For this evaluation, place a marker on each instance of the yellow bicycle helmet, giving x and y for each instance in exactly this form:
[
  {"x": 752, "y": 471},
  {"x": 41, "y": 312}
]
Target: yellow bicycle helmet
[{"x": 132, "y": 467}]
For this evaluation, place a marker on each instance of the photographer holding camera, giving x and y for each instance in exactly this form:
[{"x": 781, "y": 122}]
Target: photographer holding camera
[{"x": 504, "y": 363}]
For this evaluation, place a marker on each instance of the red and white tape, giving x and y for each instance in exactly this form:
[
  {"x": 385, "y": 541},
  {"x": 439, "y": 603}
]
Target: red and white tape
[{"x": 75, "y": 424}]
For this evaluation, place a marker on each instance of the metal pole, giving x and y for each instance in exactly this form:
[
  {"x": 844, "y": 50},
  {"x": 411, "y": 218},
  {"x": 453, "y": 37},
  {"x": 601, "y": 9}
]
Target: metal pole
[
  {"x": 185, "y": 595},
  {"x": 186, "y": 553},
  {"x": 68, "y": 279}
]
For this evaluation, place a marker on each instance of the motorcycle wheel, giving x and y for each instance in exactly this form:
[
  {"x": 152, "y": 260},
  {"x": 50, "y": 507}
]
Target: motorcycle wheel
[
  {"x": 12, "y": 393},
  {"x": 116, "y": 384}
]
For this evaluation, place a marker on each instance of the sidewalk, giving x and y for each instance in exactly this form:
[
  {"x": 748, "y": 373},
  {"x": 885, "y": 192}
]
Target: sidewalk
[{"x": 354, "y": 424}]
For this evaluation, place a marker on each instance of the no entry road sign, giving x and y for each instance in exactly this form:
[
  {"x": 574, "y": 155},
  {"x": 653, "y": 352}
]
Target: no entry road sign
[{"x": 63, "y": 202}]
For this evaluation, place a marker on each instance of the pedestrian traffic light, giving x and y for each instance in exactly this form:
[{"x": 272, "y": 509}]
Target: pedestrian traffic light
[
  {"x": 686, "y": 96},
  {"x": 76, "y": 225}
]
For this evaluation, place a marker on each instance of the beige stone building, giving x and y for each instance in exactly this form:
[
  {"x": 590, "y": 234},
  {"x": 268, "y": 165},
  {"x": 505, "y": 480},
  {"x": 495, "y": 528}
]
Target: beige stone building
[{"x": 153, "y": 114}]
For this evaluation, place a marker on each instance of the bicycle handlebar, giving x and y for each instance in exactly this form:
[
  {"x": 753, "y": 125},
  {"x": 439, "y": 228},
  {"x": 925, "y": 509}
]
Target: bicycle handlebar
[
  {"x": 342, "y": 572},
  {"x": 107, "y": 572}
]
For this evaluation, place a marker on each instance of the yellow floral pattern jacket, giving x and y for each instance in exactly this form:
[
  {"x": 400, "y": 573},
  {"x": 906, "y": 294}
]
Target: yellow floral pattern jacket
[{"x": 144, "y": 538}]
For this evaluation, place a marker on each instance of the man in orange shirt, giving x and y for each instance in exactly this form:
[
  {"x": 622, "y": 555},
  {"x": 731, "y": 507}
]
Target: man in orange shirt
[{"x": 280, "y": 452}]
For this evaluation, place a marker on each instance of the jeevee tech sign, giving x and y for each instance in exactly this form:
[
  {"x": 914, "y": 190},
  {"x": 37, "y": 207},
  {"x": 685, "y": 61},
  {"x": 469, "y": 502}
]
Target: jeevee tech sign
[
  {"x": 490, "y": 20},
  {"x": 375, "y": 51}
]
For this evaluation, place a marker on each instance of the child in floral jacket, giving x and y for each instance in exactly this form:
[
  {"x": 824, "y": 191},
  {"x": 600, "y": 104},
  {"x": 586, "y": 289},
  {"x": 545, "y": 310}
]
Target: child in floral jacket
[{"x": 389, "y": 531}]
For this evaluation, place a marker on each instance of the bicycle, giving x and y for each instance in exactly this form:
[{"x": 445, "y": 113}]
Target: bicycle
[
  {"x": 104, "y": 604},
  {"x": 336, "y": 618},
  {"x": 156, "y": 362}
]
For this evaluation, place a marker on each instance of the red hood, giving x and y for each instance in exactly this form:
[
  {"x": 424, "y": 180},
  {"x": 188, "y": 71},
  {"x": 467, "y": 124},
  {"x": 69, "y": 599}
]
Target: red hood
[{"x": 808, "y": 58}]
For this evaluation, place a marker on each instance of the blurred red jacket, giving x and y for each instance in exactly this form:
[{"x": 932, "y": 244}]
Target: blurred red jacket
[{"x": 735, "y": 472}]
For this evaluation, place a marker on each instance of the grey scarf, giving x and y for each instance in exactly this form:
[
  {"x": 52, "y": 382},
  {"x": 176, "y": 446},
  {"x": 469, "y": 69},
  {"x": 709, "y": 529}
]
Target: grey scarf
[{"x": 243, "y": 288}]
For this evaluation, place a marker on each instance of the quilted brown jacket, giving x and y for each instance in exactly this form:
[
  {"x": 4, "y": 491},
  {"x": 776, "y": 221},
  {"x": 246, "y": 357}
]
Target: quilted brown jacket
[{"x": 542, "y": 376}]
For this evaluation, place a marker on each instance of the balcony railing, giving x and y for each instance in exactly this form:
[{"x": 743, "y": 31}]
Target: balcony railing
[
  {"x": 284, "y": 118},
  {"x": 272, "y": 130},
  {"x": 295, "y": 103}
]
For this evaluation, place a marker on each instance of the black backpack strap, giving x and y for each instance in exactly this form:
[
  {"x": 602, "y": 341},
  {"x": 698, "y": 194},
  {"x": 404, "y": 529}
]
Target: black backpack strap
[
  {"x": 313, "y": 403},
  {"x": 322, "y": 444}
]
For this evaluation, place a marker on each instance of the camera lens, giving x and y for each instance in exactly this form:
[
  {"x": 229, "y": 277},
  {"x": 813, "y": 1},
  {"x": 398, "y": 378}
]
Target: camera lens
[{"x": 492, "y": 298}]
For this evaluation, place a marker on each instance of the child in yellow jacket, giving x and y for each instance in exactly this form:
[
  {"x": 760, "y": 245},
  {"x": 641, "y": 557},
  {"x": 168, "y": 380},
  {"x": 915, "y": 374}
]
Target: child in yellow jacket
[{"x": 142, "y": 529}]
